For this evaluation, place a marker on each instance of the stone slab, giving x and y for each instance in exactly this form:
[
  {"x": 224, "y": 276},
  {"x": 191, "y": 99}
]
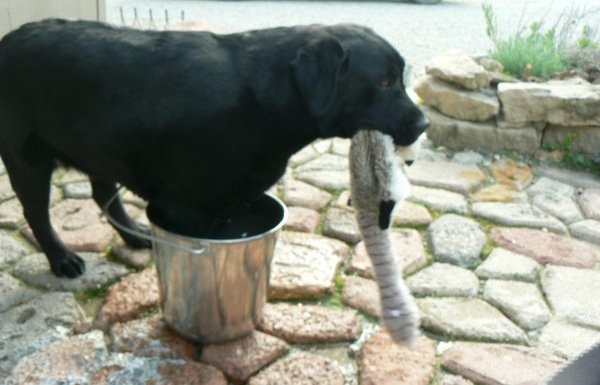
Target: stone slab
[
  {"x": 13, "y": 292},
  {"x": 573, "y": 294},
  {"x": 78, "y": 190},
  {"x": 561, "y": 104},
  {"x": 11, "y": 250},
  {"x": 461, "y": 178},
  {"x": 298, "y": 193},
  {"x": 69, "y": 362},
  {"x": 340, "y": 146},
  {"x": 341, "y": 224},
  {"x": 150, "y": 337},
  {"x": 444, "y": 280},
  {"x": 499, "y": 193},
  {"x": 34, "y": 269},
  {"x": 301, "y": 368},
  {"x": 457, "y": 103},
  {"x": 512, "y": 173},
  {"x": 411, "y": 214},
  {"x": 328, "y": 171},
  {"x": 306, "y": 154},
  {"x": 310, "y": 323},
  {"x": 546, "y": 247},
  {"x": 459, "y": 68},
  {"x": 456, "y": 239},
  {"x": 559, "y": 206},
  {"x": 439, "y": 199},
  {"x": 545, "y": 185},
  {"x": 134, "y": 295},
  {"x": 518, "y": 215},
  {"x": 408, "y": 250},
  {"x": 567, "y": 340},
  {"x": 467, "y": 318},
  {"x": 491, "y": 364},
  {"x": 34, "y": 325},
  {"x": 587, "y": 230},
  {"x": 581, "y": 179},
  {"x": 383, "y": 362},
  {"x": 127, "y": 369},
  {"x": 521, "y": 302},
  {"x": 458, "y": 134},
  {"x": 589, "y": 201},
  {"x": 304, "y": 265},
  {"x": 302, "y": 219},
  {"x": 80, "y": 225},
  {"x": 242, "y": 358},
  {"x": 11, "y": 214},
  {"x": 468, "y": 157},
  {"x": 362, "y": 294},
  {"x": 508, "y": 265}
]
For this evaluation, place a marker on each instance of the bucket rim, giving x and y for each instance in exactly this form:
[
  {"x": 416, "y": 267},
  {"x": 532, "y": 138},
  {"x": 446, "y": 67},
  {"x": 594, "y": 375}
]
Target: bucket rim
[{"x": 209, "y": 241}]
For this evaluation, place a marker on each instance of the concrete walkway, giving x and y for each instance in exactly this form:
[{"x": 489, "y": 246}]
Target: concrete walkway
[{"x": 503, "y": 260}]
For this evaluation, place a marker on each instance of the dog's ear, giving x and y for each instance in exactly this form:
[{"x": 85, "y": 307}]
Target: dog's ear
[{"x": 317, "y": 69}]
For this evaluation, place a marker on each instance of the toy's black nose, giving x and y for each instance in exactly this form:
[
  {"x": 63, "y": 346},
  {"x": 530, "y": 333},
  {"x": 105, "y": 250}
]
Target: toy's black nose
[{"x": 409, "y": 162}]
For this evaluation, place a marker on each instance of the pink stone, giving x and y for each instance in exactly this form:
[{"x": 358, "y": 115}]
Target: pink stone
[
  {"x": 546, "y": 247},
  {"x": 150, "y": 337},
  {"x": 241, "y": 358},
  {"x": 69, "y": 361},
  {"x": 302, "y": 219},
  {"x": 310, "y": 323},
  {"x": 129, "y": 298},
  {"x": 383, "y": 362},
  {"x": 362, "y": 294},
  {"x": 80, "y": 225},
  {"x": 493, "y": 364},
  {"x": 301, "y": 369}
]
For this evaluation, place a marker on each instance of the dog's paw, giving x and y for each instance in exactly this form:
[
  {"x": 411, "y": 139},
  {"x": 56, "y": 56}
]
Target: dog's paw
[{"x": 70, "y": 266}]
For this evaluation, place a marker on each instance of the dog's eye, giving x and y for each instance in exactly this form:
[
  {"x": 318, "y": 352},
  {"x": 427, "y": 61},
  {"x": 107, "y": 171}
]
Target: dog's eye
[{"x": 385, "y": 82}]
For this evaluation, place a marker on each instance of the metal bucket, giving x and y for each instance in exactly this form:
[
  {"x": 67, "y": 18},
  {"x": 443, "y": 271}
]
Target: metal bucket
[{"x": 213, "y": 290}]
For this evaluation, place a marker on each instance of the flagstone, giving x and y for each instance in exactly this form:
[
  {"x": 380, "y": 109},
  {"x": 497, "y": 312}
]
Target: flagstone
[
  {"x": 467, "y": 318},
  {"x": 304, "y": 265},
  {"x": 492, "y": 364},
  {"x": 546, "y": 247},
  {"x": 457, "y": 177}
]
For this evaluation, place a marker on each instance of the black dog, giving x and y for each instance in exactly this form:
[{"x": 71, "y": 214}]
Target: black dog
[{"x": 195, "y": 123}]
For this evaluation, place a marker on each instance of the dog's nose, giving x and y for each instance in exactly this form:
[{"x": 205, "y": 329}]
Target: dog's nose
[
  {"x": 423, "y": 123},
  {"x": 409, "y": 162}
]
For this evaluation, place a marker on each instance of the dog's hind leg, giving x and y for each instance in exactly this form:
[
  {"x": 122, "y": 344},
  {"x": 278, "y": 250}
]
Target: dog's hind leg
[
  {"x": 103, "y": 192},
  {"x": 31, "y": 182}
]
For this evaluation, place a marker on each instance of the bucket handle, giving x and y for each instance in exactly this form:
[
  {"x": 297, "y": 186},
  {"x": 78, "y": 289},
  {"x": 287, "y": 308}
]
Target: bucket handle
[{"x": 152, "y": 238}]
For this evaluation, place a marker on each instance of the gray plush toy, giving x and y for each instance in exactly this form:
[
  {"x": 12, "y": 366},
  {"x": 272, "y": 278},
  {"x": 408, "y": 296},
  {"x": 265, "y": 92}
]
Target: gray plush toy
[{"x": 377, "y": 186}]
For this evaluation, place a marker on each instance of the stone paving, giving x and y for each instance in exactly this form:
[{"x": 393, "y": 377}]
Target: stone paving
[{"x": 503, "y": 259}]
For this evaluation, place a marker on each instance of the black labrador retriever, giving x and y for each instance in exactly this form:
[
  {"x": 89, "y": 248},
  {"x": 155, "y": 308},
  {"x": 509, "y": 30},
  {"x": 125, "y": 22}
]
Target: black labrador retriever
[{"x": 195, "y": 123}]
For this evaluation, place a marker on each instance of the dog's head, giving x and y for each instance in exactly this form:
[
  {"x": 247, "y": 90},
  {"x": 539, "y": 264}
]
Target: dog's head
[{"x": 351, "y": 78}]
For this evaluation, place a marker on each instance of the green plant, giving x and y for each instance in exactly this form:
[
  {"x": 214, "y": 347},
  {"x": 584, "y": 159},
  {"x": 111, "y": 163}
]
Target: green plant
[
  {"x": 574, "y": 157},
  {"x": 537, "y": 53},
  {"x": 588, "y": 38}
]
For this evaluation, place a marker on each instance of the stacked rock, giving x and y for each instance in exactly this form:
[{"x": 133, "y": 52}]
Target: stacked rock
[{"x": 471, "y": 104}]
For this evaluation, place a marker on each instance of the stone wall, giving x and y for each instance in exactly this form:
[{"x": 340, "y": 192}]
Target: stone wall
[{"x": 471, "y": 104}]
